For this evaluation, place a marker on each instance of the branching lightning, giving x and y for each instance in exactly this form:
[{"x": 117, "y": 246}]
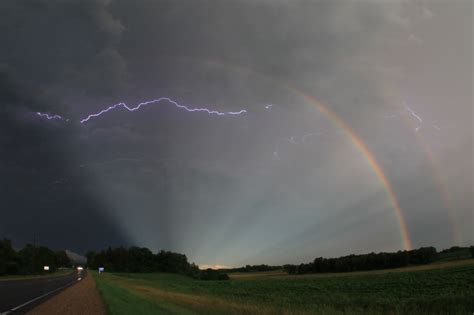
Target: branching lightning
[
  {"x": 140, "y": 105},
  {"x": 176, "y": 104},
  {"x": 209, "y": 111}
]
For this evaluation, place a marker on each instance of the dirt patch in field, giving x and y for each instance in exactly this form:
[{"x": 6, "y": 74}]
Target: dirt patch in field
[{"x": 82, "y": 298}]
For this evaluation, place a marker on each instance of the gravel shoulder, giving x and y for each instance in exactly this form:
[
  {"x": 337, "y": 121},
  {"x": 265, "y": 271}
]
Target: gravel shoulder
[{"x": 81, "y": 298}]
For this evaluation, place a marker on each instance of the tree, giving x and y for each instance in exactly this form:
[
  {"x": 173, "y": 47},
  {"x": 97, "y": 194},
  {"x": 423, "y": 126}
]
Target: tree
[
  {"x": 9, "y": 262},
  {"x": 33, "y": 259},
  {"x": 211, "y": 274},
  {"x": 62, "y": 260},
  {"x": 91, "y": 259}
]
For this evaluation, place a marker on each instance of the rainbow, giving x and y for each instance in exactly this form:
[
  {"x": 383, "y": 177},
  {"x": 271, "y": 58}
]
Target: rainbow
[
  {"x": 389, "y": 94},
  {"x": 369, "y": 157},
  {"x": 359, "y": 144},
  {"x": 438, "y": 179},
  {"x": 355, "y": 139}
]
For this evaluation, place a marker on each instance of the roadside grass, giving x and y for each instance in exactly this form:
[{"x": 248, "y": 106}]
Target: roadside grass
[
  {"x": 442, "y": 290},
  {"x": 120, "y": 300},
  {"x": 57, "y": 273}
]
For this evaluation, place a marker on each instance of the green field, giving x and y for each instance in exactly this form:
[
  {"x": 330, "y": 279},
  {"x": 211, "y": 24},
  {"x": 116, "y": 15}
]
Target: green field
[{"x": 441, "y": 289}]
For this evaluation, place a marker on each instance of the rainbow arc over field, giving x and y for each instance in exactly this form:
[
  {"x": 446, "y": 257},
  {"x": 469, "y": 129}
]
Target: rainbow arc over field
[
  {"x": 438, "y": 179},
  {"x": 371, "y": 160},
  {"x": 445, "y": 195},
  {"x": 351, "y": 134},
  {"x": 369, "y": 157}
]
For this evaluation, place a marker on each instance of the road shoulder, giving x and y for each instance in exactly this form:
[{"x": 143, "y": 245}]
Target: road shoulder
[{"x": 82, "y": 298}]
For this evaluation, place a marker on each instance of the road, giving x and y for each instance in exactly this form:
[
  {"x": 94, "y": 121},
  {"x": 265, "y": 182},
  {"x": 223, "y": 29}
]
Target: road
[{"x": 19, "y": 296}]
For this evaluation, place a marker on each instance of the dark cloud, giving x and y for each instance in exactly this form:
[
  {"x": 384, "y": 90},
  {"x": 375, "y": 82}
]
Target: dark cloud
[
  {"x": 213, "y": 186},
  {"x": 42, "y": 190},
  {"x": 62, "y": 44}
]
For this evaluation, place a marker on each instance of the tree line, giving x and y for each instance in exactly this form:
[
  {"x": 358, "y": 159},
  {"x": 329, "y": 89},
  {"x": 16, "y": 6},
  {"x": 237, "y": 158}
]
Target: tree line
[
  {"x": 254, "y": 268},
  {"x": 371, "y": 261},
  {"x": 456, "y": 252},
  {"x": 141, "y": 259},
  {"x": 30, "y": 259}
]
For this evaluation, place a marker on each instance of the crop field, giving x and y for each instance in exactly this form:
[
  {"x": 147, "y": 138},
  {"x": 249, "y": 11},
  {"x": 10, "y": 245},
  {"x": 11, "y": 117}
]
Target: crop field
[{"x": 442, "y": 289}]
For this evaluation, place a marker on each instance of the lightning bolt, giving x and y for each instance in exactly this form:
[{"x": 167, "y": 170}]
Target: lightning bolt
[
  {"x": 176, "y": 104},
  {"x": 140, "y": 105},
  {"x": 50, "y": 117},
  {"x": 412, "y": 112},
  {"x": 293, "y": 141}
]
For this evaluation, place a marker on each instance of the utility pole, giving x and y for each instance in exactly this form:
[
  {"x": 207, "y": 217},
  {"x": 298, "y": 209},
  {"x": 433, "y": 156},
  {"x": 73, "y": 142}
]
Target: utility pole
[{"x": 33, "y": 254}]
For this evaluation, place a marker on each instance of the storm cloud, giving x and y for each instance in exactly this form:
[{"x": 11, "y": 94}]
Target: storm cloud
[{"x": 281, "y": 183}]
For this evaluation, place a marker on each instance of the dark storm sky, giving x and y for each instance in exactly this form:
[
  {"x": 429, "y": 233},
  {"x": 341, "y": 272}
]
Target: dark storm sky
[{"x": 277, "y": 184}]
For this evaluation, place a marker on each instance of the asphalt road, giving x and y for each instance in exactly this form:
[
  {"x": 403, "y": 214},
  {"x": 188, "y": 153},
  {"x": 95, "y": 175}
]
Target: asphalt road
[{"x": 19, "y": 296}]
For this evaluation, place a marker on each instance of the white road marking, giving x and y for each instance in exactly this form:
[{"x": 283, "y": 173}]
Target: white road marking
[{"x": 37, "y": 298}]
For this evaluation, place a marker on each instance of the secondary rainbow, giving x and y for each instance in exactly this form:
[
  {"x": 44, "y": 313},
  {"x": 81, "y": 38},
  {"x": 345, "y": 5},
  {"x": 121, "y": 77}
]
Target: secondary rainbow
[
  {"x": 355, "y": 139},
  {"x": 369, "y": 157}
]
